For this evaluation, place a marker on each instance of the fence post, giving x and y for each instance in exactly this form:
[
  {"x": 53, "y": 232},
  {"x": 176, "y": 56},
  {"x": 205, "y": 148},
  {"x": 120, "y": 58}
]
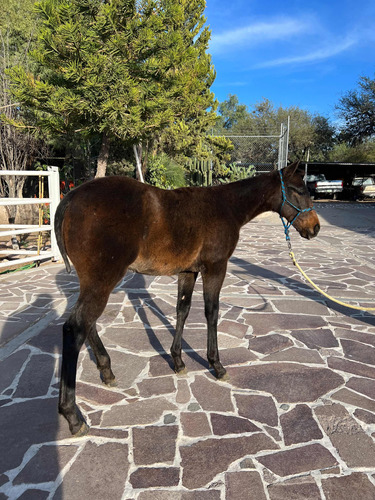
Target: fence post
[
  {"x": 54, "y": 194},
  {"x": 280, "y": 153},
  {"x": 282, "y": 160}
]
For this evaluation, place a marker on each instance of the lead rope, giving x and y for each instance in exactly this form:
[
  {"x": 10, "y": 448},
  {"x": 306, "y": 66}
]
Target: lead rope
[{"x": 294, "y": 260}]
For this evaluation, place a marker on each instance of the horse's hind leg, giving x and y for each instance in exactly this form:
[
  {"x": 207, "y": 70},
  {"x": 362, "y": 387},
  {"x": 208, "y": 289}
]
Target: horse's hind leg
[
  {"x": 74, "y": 335},
  {"x": 186, "y": 282},
  {"x": 103, "y": 361},
  {"x": 89, "y": 307}
]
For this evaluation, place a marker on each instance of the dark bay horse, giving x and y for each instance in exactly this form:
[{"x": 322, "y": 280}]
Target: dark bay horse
[{"x": 112, "y": 224}]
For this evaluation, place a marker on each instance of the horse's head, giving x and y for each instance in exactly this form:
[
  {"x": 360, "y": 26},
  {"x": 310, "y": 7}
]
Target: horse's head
[{"x": 296, "y": 205}]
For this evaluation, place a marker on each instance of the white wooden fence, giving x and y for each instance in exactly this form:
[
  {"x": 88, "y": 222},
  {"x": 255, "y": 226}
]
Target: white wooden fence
[{"x": 13, "y": 229}]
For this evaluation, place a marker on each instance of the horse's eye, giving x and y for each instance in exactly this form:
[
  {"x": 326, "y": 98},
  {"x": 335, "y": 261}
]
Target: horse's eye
[{"x": 300, "y": 191}]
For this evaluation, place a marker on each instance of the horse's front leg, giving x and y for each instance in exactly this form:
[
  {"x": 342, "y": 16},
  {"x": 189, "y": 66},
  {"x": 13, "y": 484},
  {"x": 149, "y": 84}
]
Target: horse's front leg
[
  {"x": 213, "y": 278},
  {"x": 186, "y": 282},
  {"x": 103, "y": 361}
]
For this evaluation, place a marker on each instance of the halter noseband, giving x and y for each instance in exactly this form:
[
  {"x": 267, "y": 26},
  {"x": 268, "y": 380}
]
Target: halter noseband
[{"x": 285, "y": 200}]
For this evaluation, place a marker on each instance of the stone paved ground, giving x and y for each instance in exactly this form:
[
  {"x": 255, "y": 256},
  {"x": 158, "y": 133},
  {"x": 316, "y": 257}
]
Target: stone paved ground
[{"x": 296, "y": 419}]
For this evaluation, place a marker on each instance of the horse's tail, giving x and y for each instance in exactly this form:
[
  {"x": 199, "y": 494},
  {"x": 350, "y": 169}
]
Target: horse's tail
[{"x": 59, "y": 219}]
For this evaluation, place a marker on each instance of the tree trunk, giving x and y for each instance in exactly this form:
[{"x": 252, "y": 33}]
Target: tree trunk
[
  {"x": 145, "y": 159},
  {"x": 103, "y": 157},
  {"x": 137, "y": 153}
]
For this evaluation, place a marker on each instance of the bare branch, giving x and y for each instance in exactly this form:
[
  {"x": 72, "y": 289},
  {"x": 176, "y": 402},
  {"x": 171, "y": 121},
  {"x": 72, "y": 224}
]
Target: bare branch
[{"x": 10, "y": 105}]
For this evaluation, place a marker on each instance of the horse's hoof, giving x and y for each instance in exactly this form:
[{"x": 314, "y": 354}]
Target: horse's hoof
[
  {"x": 219, "y": 371},
  {"x": 183, "y": 372},
  {"x": 83, "y": 430},
  {"x": 111, "y": 383}
]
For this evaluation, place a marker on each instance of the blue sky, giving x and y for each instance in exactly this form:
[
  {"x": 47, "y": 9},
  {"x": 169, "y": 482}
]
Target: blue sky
[{"x": 298, "y": 52}]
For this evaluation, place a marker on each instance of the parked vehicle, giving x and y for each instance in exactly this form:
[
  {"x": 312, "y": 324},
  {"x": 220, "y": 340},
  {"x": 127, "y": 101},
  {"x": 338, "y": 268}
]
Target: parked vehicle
[
  {"x": 319, "y": 186},
  {"x": 363, "y": 187}
]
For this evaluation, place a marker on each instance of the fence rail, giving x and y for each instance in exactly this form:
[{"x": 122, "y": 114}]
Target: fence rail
[{"x": 53, "y": 200}]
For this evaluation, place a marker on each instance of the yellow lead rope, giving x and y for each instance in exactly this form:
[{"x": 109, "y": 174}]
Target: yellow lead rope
[{"x": 291, "y": 255}]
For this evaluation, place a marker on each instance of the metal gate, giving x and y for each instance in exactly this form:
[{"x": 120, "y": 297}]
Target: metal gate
[
  {"x": 53, "y": 200},
  {"x": 264, "y": 152}
]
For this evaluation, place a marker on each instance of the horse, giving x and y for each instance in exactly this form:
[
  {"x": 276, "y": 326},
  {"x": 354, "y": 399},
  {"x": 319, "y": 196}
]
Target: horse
[{"x": 113, "y": 224}]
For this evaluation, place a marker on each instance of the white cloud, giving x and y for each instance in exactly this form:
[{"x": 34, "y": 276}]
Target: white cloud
[
  {"x": 256, "y": 33},
  {"x": 317, "y": 55}
]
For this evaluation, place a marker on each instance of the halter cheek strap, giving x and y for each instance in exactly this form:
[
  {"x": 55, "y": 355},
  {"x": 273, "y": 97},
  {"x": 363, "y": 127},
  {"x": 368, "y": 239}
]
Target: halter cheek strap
[{"x": 285, "y": 200}]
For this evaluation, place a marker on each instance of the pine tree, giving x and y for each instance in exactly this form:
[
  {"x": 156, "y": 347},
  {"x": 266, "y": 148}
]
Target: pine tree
[{"x": 125, "y": 69}]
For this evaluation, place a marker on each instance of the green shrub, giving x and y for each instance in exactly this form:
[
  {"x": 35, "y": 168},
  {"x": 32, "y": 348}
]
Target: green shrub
[
  {"x": 164, "y": 172},
  {"x": 233, "y": 173},
  {"x": 121, "y": 167}
]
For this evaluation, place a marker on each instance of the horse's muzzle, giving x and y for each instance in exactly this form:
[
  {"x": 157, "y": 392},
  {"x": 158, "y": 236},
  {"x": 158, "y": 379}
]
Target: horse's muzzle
[
  {"x": 308, "y": 226},
  {"x": 308, "y": 233}
]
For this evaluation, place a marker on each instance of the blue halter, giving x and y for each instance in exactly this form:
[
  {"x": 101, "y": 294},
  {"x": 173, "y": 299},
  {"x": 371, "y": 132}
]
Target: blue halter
[{"x": 285, "y": 200}]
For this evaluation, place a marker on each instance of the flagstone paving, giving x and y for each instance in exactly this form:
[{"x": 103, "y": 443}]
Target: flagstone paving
[{"x": 295, "y": 419}]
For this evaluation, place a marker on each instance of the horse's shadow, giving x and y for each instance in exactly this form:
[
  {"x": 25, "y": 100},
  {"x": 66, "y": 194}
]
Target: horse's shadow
[
  {"x": 31, "y": 430},
  {"x": 142, "y": 300},
  {"x": 298, "y": 287},
  {"x": 136, "y": 287}
]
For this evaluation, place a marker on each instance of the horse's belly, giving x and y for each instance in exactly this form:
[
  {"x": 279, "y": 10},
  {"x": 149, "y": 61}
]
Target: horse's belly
[{"x": 165, "y": 265}]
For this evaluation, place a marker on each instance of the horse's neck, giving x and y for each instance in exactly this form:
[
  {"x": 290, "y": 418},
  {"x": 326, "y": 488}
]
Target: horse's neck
[{"x": 253, "y": 196}]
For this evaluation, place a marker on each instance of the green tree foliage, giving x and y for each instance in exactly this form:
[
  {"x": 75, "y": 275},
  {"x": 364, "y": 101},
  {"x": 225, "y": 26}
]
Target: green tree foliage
[
  {"x": 359, "y": 153},
  {"x": 231, "y": 113},
  {"x": 310, "y": 135},
  {"x": 266, "y": 119},
  {"x": 325, "y": 139},
  {"x": 124, "y": 69},
  {"x": 17, "y": 27},
  {"x": 357, "y": 109},
  {"x": 192, "y": 102}
]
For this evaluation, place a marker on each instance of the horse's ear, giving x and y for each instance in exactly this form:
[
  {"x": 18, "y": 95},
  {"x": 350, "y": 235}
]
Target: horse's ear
[{"x": 295, "y": 167}]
